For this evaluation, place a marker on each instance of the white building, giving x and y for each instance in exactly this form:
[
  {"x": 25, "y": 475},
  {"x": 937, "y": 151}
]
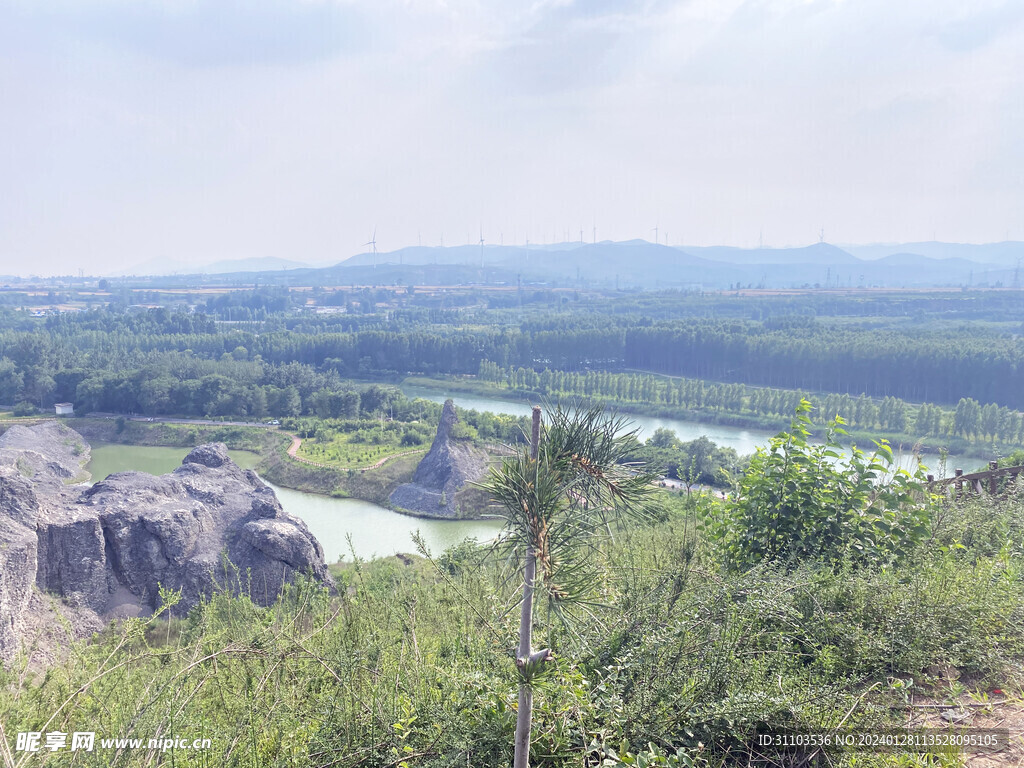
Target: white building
[{"x": 64, "y": 409}]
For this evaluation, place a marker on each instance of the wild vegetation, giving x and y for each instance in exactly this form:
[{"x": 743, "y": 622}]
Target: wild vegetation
[
  {"x": 690, "y": 642},
  {"x": 969, "y": 422},
  {"x": 409, "y": 425}
]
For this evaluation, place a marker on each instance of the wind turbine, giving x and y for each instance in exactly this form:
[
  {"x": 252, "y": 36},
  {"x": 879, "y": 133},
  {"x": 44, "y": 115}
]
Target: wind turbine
[
  {"x": 655, "y": 231},
  {"x": 373, "y": 241},
  {"x": 481, "y": 247}
]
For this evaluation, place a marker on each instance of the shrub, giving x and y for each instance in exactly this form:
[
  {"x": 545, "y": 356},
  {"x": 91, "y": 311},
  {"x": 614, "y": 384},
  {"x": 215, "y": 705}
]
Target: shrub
[
  {"x": 1015, "y": 459},
  {"x": 799, "y": 502},
  {"x": 24, "y": 408}
]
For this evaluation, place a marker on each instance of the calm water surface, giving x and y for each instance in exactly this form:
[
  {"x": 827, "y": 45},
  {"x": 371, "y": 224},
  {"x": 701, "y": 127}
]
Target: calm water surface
[
  {"x": 374, "y": 530},
  {"x": 344, "y": 526},
  {"x": 745, "y": 441}
]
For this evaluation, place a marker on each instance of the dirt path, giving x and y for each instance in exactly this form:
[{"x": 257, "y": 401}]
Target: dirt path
[
  {"x": 293, "y": 452},
  {"x": 386, "y": 459},
  {"x": 1001, "y": 712}
]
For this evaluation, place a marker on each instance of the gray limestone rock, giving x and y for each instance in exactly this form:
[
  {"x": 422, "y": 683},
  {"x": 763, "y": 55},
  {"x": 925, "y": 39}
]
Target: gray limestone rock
[
  {"x": 448, "y": 466},
  {"x": 105, "y": 550},
  {"x": 49, "y": 453},
  {"x": 18, "y": 499},
  {"x": 17, "y": 574}
]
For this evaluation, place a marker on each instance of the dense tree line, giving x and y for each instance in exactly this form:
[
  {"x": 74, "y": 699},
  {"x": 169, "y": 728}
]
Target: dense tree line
[
  {"x": 927, "y": 367},
  {"x": 692, "y": 462},
  {"x": 922, "y": 367},
  {"x": 890, "y": 414},
  {"x": 157, "y": 360}
]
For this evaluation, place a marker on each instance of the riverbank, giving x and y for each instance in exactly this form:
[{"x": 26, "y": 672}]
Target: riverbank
[
  {"x": 271, "y": 445},
  {"x": 275, "y": 464},
  {"x": 373, "y": 485},
  {"x": 173, "y": 434},
  {"x": 345, "y": 527},
  {"x": 476, "y": 387}
]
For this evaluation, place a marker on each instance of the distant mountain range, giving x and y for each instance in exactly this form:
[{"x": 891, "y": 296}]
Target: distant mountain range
[
  {"x": 811, "y": 254},
  {"x": 170, "y": 267},
  {"x": 1007, "y": 253},
  {"x": 644, "y": 265}
]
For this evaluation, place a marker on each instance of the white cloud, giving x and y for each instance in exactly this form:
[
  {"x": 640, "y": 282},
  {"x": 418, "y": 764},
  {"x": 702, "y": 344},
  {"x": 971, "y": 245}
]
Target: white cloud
[{"x": 198, "y": 130}]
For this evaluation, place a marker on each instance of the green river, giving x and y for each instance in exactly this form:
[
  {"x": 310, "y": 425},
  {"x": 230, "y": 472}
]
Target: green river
[
  {"x": 744, "y": 440},
  {"x": 347, "y": 526},
  {"x": 372, "y": 529}
]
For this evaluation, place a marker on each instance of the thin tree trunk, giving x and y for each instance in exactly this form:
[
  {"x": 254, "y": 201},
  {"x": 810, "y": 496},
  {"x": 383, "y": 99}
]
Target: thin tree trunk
[
  {"x": 524, "y": 715},
  {"x": 535, "y": 433}
]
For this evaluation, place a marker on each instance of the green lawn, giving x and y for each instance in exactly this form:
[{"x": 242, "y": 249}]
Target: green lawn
[{"x": 343, "y": 452}]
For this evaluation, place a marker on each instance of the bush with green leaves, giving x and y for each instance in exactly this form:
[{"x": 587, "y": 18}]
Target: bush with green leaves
[
  {"x": 1015, "y": 459},
  {"x": 24, "y": 408},
  {"x": 800, "y": 502}
]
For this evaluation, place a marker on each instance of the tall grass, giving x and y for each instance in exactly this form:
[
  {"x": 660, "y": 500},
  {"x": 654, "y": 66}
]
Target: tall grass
[{"x": 412, "y": 664}]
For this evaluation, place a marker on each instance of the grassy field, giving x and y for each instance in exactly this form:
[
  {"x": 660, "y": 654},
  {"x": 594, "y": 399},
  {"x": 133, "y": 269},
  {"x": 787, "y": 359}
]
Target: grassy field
[
  {"x": 342, "y": 451},
  {"x": 373, "y": 485},
  {"x": 275, "y": 465}
]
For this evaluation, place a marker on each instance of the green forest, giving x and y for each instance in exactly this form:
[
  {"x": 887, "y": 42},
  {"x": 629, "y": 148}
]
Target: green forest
[
  {"x": 941, "y": 360},
  {"x": 945, "y": 368}
]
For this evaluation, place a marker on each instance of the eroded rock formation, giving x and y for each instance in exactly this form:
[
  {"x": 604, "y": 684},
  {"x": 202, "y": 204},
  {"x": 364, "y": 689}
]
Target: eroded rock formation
[
  {"x": 105, "y": 550},
  {"x": 448, "y": 466}
]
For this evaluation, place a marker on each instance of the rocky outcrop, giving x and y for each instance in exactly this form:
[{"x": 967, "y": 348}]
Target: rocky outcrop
[
  {"x": 448, "y": 466},
  {"x": 49, "y": 454},
  {"x": 17, "y": 576},
  {"x": 106, "y": 550}
]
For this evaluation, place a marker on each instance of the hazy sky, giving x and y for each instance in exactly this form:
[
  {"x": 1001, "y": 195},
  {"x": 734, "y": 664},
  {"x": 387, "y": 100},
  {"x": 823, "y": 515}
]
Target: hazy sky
[{"x": 198, "y": 130}]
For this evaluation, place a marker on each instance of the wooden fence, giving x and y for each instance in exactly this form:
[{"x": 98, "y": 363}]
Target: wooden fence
[{"x": 993, "y": 480}]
